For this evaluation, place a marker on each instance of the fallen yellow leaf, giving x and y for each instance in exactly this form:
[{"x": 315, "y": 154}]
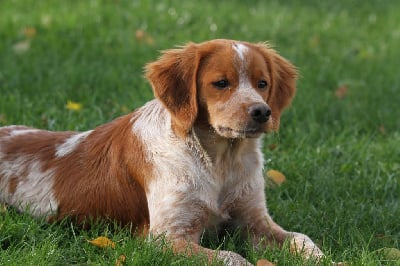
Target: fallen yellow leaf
[
  {"x": 74, "y": 106},
  {"x": 276, "y": 176},
  {"x": 102, "y": 242}
]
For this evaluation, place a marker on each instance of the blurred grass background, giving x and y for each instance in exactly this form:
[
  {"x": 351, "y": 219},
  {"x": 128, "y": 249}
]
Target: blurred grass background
[{"x": 339, "y": 143}]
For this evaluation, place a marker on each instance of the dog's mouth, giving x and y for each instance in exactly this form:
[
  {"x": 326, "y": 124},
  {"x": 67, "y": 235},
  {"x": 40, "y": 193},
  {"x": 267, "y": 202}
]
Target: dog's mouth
[{"x": 242, "y": 133}]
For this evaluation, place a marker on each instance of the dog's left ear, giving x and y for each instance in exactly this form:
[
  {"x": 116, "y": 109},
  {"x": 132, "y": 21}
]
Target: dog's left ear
[
  {"x": 173, "y": 78},
  {"x": 283, "y": 87}
]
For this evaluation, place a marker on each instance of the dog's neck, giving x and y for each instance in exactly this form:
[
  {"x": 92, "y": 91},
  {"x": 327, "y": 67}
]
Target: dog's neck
[{"x": 217, "y": 147}]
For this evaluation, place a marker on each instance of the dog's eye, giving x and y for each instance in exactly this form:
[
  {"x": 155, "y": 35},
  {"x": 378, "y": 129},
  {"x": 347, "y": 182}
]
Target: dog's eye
[
  {"x": 262, "y": 84},
  {"x": 221, "y": 84}
]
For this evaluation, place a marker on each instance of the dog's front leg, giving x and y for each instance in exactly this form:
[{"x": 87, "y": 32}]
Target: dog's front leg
[
  {"x": 250, "y": 211},
  {"x": 181, "y": 218},
  {"x": 268, "y": 232}
]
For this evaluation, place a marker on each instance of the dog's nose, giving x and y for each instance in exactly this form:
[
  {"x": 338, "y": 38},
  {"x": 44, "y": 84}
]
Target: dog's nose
[{"x": 259, "y": 112}]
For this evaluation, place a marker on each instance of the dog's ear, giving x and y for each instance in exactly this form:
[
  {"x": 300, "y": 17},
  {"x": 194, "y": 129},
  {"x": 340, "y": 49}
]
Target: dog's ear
[
  {"x": 283, "y": 87},
  {"x": 173, "y": 78},
  {"x": 285, "y": 76}
]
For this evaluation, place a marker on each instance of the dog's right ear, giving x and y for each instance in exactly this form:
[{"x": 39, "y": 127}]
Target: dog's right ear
[{"x": 173, "y": 78}]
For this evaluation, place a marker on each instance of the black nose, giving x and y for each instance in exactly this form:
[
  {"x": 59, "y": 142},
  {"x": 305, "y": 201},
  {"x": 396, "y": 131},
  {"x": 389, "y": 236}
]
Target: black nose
[{"x": 259, "y": 112}]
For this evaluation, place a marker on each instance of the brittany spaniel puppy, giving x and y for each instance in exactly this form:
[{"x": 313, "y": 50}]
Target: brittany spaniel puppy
[{"x": 187, "y": 161}]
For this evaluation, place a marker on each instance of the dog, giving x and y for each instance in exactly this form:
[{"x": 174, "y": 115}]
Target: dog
[{"x": 187, "y": 161}]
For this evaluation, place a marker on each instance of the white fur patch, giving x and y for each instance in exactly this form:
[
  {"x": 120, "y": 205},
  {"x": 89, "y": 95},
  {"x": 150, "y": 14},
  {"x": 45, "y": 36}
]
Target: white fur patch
[
  {"x": 241, "y": 50},
  {"x": 34, "y": 188},
  {"x": 244, "y": 81},
  {"x": 178, "y": 171},
  {"x": 17, "y": 132},
  {"x": 71, "y": 143}
]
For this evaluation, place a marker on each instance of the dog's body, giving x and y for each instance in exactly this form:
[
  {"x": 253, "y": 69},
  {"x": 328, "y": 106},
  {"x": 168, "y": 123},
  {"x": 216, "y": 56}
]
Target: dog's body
[{"x": 184, "y": 162}]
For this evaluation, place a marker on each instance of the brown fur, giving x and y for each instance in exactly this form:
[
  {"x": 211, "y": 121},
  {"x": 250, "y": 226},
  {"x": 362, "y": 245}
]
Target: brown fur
[{"x": 109, "y": 177}]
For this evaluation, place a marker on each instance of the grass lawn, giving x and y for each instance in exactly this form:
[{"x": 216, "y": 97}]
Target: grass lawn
[{"x": 339, "y": 143}]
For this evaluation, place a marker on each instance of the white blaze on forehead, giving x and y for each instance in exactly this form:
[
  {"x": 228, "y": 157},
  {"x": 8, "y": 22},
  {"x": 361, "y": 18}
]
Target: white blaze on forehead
[
  {"x": 71, "y": 143},
  {"x": 240, "y": 49},
  {"x": 244, "y": 81}
]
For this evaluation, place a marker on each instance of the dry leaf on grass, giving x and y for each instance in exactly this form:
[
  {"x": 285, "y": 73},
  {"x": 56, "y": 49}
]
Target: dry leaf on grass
[
  {"x": 276, "y": 176},
  {"x": 139, "y": 35},
  {"x": 264, "y": 262},
  {"x": 121, "y": 260},
  {"x": 382, "y": 129},
  {"x": 272, "y": 146},
  {"x": 29, "y": 32},
  {"x": 342, "y": 91},
  {"x": 102, "y": 242},
  {"x": 143, "y": 36}
]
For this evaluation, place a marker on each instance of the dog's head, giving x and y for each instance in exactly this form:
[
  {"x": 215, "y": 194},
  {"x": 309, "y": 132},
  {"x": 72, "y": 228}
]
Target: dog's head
[{"x": 237, "y": 88}]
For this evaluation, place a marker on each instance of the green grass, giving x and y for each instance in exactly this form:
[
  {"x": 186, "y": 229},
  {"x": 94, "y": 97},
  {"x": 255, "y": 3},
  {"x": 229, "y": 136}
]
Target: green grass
[{"x": 341, "y": 157}]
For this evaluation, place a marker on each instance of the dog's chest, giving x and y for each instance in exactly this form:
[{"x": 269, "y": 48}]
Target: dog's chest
[{"x": 232, "y": 172}]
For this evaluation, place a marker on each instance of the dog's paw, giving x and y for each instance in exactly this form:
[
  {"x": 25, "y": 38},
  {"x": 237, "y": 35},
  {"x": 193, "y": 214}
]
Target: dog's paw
[
  {"x": 302, "y": 244},
  {"x": 232, "y": 259}
]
